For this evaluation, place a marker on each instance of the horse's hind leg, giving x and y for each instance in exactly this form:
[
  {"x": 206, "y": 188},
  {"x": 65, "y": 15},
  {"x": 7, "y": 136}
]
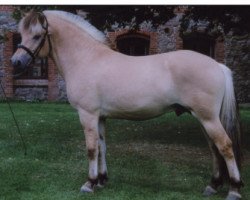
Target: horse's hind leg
[
  {"x": 219, "y": 170},
  {"x": 223, "y": 143},
  {"x": 102, "y": 166}
]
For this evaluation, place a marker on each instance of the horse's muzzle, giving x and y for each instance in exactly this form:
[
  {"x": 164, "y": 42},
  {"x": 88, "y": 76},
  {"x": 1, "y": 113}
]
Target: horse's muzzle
[{"x": 21, "y": 62}]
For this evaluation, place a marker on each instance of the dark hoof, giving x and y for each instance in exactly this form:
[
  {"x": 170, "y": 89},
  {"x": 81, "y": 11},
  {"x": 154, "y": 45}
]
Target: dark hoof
[
  {"x": 209, "y": 191},
  {"x": 102, "y": 180},
  {"x": 233, "y": 196}
]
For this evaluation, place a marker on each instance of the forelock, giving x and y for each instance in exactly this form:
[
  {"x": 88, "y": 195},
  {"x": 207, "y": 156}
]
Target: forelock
[{"x": 32, "y": 22}]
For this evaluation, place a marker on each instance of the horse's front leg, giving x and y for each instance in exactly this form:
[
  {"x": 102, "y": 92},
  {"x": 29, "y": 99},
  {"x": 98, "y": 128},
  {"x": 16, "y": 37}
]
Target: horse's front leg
[
  {"x": 90, "y": 124},
  {"x": 102, "y": 176}
]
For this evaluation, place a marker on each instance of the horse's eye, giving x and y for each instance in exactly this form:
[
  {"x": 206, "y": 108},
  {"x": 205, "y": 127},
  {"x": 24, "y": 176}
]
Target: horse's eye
[{"x": 37, "y": 37}]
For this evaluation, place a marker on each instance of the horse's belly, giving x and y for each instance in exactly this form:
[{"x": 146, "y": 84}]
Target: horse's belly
[
  {"x": 138, "y": 105},
  {"x": 142, "y": 113},
  {"x": 134, "y": 115}
]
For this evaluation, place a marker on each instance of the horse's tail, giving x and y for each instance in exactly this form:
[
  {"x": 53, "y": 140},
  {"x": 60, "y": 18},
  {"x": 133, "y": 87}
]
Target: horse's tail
[{"x": 229, "y": 115}]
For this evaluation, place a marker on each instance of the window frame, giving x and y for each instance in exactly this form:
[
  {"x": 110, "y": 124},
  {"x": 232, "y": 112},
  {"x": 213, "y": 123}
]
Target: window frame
[
  {"x": 199, "y": 39},
  {"x": 134, "y": 36}
]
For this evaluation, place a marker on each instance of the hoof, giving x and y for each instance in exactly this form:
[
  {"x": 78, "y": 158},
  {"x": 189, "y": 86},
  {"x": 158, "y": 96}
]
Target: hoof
[
  {"x": 209, "y": 191},
  {"x": 233, "y": 196},
  {"x": 102, "y": 180},
  {"x": 100, "y": 185},
  {"x": 87, "y": 188}
]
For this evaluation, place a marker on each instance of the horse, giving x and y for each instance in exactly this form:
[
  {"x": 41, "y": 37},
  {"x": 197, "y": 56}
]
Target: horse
[{"x": 102, "y": 83}]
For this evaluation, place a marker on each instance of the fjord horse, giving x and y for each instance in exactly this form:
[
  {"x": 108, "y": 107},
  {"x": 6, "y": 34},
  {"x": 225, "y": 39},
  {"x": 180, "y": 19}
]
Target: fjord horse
[{"x": 102, "y": 83}]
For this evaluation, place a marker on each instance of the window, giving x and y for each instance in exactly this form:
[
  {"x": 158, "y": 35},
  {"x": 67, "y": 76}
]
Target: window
[
  {"x": 37, "y": 70},
  {"x": 200, "y": 43},
  {"x": 133, "y": 44}
]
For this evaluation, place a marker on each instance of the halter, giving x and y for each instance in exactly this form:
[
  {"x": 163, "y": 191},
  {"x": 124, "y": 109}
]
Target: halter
[{"x": 34, "y": 53}]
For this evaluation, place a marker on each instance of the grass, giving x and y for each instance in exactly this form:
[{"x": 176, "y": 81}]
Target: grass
[{"x": 163, "y": 158}]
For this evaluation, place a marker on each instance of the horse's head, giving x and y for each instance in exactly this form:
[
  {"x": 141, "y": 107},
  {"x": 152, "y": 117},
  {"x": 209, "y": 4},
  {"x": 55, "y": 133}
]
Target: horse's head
[{"x": 35, "y": 40}]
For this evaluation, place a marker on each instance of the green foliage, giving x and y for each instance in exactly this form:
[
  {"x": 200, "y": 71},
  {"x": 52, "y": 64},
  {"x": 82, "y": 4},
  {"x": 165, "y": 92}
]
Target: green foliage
[
  {"x": 163, "y": 158},
  {"x": 104, "y": 16},
  {"x": 222, "y": 19},
  {"x": 21, "y": 10}
]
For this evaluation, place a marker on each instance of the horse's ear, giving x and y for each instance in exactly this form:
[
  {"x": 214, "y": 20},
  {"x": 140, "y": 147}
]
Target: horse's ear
[
  {"x": 22, "y": 13},
  {"x": 25, "y": 13},
  {"x": 41, "y": 19}
]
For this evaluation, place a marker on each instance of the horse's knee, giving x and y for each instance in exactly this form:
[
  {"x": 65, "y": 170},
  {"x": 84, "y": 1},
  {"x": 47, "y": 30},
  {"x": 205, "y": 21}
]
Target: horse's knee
[
  {"x": 92, "y": 153},
  {"x": 91, "y": 137}
]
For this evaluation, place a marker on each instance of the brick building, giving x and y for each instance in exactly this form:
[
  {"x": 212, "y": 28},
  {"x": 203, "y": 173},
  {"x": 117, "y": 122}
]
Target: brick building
[
  {"x": 40, "y": 82},
  {"x": 43, "y": 82}
]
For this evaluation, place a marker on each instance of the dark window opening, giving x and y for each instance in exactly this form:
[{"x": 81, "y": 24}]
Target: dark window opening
[
  {"x": 37, "y": 70},
  {"x": 200, "y": 43},
  {"x": 133, "y": 44}
]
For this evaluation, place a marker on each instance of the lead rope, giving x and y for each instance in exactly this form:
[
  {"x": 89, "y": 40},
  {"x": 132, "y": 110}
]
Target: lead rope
[
  {"x": 15, "y": 75},
  {"x": 14, "y": 118}
]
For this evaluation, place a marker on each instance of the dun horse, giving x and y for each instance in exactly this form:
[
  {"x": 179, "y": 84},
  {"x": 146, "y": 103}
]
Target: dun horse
[{"x": 102, "y": 83}]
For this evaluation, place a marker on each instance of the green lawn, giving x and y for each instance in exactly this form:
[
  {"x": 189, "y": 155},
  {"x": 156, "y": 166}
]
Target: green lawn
[{"x": 164, "y": 158}]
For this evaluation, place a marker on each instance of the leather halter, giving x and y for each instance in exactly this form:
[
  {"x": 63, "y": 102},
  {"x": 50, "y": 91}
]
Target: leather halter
[{"x": 34, "y": 53}]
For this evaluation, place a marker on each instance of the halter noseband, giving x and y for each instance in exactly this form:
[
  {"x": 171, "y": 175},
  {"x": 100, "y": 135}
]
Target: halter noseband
[{"x": 34, "y": 53}]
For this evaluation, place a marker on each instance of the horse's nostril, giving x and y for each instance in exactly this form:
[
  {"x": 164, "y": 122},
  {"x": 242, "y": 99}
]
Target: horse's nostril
[
  {"x": 21, "y": 61},
  {"x": 18, "y": 63}
]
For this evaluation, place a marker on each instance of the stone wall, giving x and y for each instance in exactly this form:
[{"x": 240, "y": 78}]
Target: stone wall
[
  {"x": 31, "y": 93},
  {"x": 164, "y": 38},
  {"x": 237, "y": 57},
  {"x": 7, "y": 23},
  {"x": 168, "y": 35},
  {"x": 62, "y": 96}
]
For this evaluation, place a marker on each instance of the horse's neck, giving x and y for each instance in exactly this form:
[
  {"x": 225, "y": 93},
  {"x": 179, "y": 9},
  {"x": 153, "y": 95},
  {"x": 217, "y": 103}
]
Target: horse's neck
[{"x": 71, "y": 47}]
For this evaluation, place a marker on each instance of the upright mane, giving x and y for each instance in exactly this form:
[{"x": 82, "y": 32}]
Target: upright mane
[{"x": 81, "y": 23}]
